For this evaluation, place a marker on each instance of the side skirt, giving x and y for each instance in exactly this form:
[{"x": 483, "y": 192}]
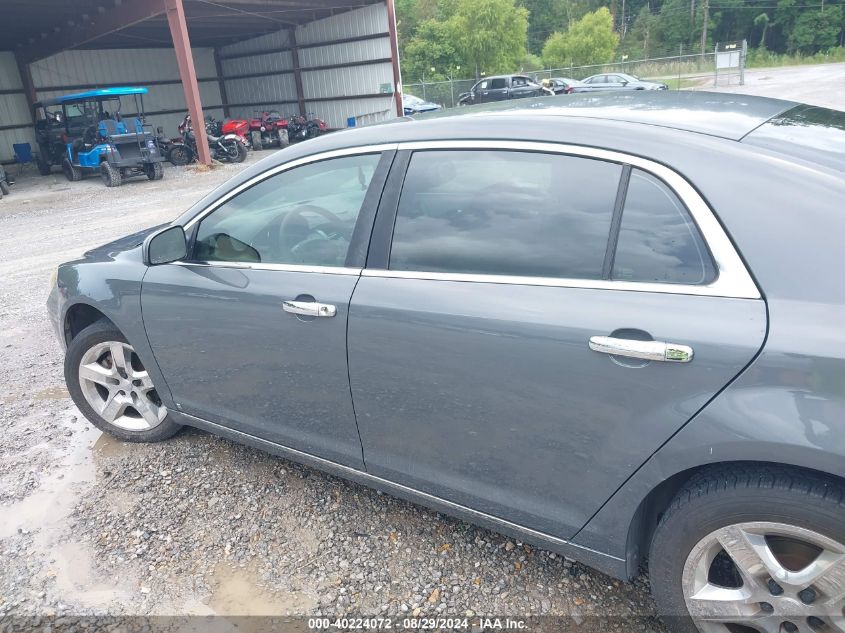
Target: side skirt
[{"x": 605, "y": 563}]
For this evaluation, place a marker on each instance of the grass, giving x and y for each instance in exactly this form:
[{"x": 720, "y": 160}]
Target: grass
[{"x": 762, "y": 58}]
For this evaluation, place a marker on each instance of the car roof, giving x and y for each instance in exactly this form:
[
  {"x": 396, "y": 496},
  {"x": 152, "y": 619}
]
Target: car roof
[
  {"x": 94, "y": 94},
  {"x": 727, "y": 116}
]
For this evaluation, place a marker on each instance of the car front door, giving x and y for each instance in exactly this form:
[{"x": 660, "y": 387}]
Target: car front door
[
  {"x": 491, "y": 342},
  {"x": 615, "y": 82},
  {"x": 250, "y": 330}
]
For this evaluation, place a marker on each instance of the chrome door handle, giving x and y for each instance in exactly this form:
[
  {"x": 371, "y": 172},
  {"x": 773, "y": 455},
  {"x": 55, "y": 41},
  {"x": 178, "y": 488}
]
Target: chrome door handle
[
  {"x": 309, "y": 308},
  {"x": 647, "y": 350}
]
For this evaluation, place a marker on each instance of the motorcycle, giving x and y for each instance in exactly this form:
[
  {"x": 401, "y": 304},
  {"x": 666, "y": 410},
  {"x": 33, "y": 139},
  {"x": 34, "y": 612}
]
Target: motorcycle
[
  {"x": 301, "y": 128},
  {"x": 227, "y": 148},
  {"x": 239, "y": 127},
  {"x": 268, "y": 128},
  {"x": 174, "y": 149}
]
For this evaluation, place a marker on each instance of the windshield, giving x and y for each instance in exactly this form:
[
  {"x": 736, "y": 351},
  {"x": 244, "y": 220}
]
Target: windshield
[{"x": 412, "y": 100}]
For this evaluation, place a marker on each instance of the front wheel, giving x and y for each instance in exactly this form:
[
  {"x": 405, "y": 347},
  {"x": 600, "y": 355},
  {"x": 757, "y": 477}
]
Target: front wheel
[
  {"x": 111, "y": 387},
  {"x": 257, "y": 144},
  {"x": 44, "y": 168},
  {"x": 71, "y": 172},
  {"x": 752, "y": 549},
  {"x": 180, "y": 155},
  {"x": 4, "y": 188}
]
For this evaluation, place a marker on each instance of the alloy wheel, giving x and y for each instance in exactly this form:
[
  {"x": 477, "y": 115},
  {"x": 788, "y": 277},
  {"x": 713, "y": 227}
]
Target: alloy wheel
[
  {"x": 118, "y": 388},
  {"x": 763, "y": 577}
]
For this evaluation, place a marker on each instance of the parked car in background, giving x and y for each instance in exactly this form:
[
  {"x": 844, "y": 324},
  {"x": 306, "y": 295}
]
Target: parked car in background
[
  {"x": 561, "y": 85},
  {"x": 617, "y": 81},
  {"x": 590, "y": 324},
  {"x": 414, "y": 105},
  {"x": 502, "y": 88}
]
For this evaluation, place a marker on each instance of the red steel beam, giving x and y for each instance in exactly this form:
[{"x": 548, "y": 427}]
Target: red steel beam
[
  {"x": 394, "y": 53},
  {"x": 122, "y": 16},
  {"x": 28, "y": 85},
  {"x": 185, "y": 60}
]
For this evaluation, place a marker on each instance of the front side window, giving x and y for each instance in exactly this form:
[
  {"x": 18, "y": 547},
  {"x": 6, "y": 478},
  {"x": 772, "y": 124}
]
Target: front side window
[
  {"x": 505, "y": 213},
  {"x": 481, "y": 85},
  {"x": 658, "y": 240},
  {"x": 305, "y": 215}
]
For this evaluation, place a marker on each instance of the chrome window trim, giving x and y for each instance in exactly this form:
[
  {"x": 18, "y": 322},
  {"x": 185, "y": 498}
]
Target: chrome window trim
[
  {"x": 288, "y": 268},
  {"x": 313, "y": 158},
  {"x": 733, "y": 279}
]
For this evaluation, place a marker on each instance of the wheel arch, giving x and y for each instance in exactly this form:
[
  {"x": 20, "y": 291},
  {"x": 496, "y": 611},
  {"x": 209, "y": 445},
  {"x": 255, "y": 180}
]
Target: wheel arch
[
  {"x": 78, "y": 317},
  {"x": 647, "y": 515}
]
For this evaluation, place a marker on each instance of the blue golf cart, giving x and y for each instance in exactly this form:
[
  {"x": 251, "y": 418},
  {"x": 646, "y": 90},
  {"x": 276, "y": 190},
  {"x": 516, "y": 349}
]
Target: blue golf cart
[{"x": 85, "y": 132}]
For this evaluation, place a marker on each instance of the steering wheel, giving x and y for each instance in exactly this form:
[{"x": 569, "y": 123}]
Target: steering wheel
[
  {"x": 297, "y": 214},
  {"x": 89, "y": 136}
]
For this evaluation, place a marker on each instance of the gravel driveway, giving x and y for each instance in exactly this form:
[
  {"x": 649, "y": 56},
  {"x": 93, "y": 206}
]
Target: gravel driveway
[{"x": 201, "y": 526}]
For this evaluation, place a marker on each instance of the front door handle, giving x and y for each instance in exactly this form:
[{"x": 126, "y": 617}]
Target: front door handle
[
  {"x": 647, "y": 350},
  {"x": 309, "y": 308}
]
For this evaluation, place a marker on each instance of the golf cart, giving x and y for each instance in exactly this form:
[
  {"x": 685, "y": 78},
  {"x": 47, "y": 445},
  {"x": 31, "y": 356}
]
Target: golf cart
[{"x": 85, "y": 132}]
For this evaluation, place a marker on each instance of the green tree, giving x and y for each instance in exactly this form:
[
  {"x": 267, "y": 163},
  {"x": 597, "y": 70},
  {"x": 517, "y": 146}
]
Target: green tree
[
  {"x": 432, "y": 46},
  {"x": 590, "y": 40},
  {"x": 489, "y": 35},
  {"x": 762, "y": 21},
  {"x": 816, "y": 31},
  {"x": 643, "y": 35}
]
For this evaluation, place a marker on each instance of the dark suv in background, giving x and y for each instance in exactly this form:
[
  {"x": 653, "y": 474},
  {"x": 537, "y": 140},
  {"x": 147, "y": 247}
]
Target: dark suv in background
[{"x": 502, "y": 88}]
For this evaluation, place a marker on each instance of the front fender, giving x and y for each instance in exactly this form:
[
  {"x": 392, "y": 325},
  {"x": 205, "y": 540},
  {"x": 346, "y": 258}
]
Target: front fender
[{"x": 110, "y": 283}]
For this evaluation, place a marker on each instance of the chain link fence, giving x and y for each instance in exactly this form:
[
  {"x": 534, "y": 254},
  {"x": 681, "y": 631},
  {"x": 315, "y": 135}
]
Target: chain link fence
[{"x": 679, "y": 72}]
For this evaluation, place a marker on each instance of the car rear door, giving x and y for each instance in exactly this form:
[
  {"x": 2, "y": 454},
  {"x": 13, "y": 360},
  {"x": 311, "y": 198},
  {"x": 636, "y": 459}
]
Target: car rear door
[
  {"x": 250, "y": 330},
  {"x": 491, "y": 334},
  {"x": 499, "y": 89}
]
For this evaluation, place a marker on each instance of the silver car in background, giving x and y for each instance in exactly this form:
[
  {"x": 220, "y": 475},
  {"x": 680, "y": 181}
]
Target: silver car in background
[
  {"x": 609, "y": 325},
  {"x": 617, "y": 81}
]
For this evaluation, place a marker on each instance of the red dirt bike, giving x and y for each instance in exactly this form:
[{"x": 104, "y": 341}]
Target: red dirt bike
[
  {"x": 301, "y": 128},
  {"x": 267, "y": 129}
]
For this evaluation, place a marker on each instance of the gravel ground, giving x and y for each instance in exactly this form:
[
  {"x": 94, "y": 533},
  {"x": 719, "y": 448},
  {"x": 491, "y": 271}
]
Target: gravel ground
[{"x": 201, "y": 526}]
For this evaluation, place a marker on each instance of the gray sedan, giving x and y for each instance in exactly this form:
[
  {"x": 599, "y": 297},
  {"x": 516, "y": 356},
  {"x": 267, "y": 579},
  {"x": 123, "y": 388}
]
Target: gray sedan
[
  {"x": 617, "y": 81},
  {"x": 609, "y": 325}
]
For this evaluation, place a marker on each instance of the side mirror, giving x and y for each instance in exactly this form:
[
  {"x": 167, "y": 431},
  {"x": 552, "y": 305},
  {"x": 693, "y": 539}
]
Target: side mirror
[
  {"x": 165, "y": 246},
  {"x": 624, "y": 82}
]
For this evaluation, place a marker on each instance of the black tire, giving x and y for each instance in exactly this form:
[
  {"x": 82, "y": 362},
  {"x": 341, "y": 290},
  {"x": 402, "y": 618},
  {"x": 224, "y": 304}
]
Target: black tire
[
  {"x": 71, "y": 172},
  {"x": 111, "y": 175},
  {"x": 100, "y": 332},
  {"x": 255, "y": 137},
  {"x": 4, "y": 188},
  {"x": 154, "y": 171},
  {"x": 284, "y": 139},
  {"x": 44, "y": 168},
  {"x": 720, "y": 497},
  {"x": 180, "y": 155}
]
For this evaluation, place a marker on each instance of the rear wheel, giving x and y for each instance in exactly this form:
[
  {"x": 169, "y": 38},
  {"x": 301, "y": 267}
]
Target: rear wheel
[
  {"x": 154, "y": 171},
  {"x": 241, "y": 153},
  {"x": 4, "y": 188},
  {"x": 71, "y": 172},
  {"x": 111, "y": 175},
  {"x": 111, "y": 387},
  {"x": 754, "y": 549},
  {"x": 255, "y": 137}
]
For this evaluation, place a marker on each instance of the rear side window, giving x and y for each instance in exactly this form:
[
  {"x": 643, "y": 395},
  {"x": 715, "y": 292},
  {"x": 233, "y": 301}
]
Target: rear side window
[
  {"x": 658, "y": 240},
  {"x": 505, "y": 213}
]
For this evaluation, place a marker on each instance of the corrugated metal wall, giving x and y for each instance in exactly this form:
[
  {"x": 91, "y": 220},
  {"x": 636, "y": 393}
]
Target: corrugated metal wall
[
  {"x": 14, "y": 109},
  {"x": 155, "y": 68},
  {"x": 331, "y": 93}
]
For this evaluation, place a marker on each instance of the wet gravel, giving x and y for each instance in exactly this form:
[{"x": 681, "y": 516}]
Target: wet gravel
[{"x": 198, "y": 525}]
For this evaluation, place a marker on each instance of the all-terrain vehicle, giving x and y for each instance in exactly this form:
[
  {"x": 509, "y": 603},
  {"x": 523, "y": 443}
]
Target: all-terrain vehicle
[
  {"x": 5, "y": 182},
  {"x": 86, "y": 132},
  {"x": 268, "y": 129}
]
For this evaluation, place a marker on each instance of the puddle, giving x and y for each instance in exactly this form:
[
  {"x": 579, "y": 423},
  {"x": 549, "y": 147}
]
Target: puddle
[
  {"x": 53, "y": 393},
  {"x": 238, "y": 594},
  {"x": 45, "y": 514}
]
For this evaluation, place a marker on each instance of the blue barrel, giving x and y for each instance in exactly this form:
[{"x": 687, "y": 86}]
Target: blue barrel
[{"x": 351, "y": 122}]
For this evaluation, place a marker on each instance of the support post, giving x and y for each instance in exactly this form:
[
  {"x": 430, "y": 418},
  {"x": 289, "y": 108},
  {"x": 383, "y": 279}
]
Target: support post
[
  {"x": 221, "y": 82},
  {"x": 28, "y": 84},
  {"x": 184, "y": 58},
  {"x": 297, "y": 72},
  {"x": 394, "y": 53}
]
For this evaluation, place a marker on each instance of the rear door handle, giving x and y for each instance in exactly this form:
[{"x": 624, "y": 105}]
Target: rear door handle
[
  {"x": 647, "y": 350},
  {"x": 309, "y": 308}
]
